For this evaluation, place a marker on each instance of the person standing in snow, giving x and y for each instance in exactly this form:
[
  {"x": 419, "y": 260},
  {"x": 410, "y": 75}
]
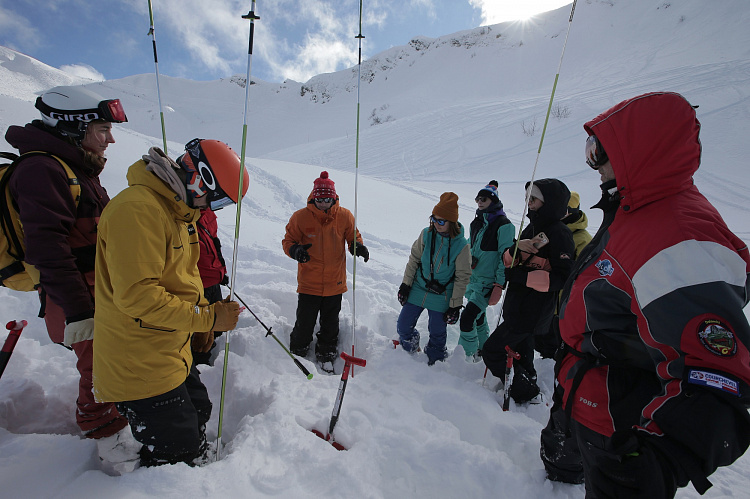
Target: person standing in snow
[
  {"x": 542, "y": 263},
  {"x": 436, "y": 276},
  {"x": 60, "y": 235},
  {"x": 317, "y": 237},
  {"x": 212, "y": 269},
  {"x": 577, "y": 222},
  {"x": 150, "y": 304},
  {"x": 655, "y": 375},
  {"x": 491, "y": 234}
]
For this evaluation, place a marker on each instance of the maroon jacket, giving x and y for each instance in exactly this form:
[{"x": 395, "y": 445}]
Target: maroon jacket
[
  {"x": 60, "y": 238},
  {"x": 654, "y": 304}
]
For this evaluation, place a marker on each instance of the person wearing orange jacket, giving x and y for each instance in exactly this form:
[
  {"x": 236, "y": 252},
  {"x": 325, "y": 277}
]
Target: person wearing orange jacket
[{"x": 316, "y": 236}]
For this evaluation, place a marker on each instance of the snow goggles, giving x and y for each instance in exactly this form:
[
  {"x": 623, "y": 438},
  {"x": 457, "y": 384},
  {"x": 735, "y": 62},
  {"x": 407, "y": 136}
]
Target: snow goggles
[
  {"x": 324, "y": 200},
  {"x": 437, "y": 221},
  {"x": 596, "y": 156},
  {"x": 481, "y": 199},
  {"x": 110, "y": 110}
]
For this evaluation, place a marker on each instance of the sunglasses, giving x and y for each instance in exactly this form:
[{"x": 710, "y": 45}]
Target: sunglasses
[
  {"x": 438, "y": 221},
  {"x": 324, "y": 200},
  {"x": 481, "y": 199},
  {"x": 596, "y": 156}
]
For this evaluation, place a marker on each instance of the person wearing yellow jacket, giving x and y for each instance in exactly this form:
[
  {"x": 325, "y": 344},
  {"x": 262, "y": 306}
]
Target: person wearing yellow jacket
[
  {"x": 317, "y": 237},
  {"x": 149, "y": 298}
]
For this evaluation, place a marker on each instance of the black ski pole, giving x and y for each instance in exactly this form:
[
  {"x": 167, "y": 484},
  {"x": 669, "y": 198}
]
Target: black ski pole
[
  {"x": 348, "y": 362},
  {"x": 15, "y": 328},
  {"x": 508, "y": 366},
  {"x": 270, "y": 333}
]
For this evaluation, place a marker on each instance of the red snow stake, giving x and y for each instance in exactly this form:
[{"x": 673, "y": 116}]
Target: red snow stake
[
  {"x": 348, "y": 362},
  {"x": 15, "y": 328},
  {"x": 508, "y": 366}
]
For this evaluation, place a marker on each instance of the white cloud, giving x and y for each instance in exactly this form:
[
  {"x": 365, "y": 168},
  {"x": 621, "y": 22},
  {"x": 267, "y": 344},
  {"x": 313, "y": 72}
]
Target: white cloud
[
  {"x": 17, "y": 27},
  {"x": 83, "y": 71},
  {"x": 497, "y": 11}
]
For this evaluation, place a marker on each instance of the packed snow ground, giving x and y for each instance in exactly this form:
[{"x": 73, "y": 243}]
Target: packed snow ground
[{"x": 437, "y": 114}]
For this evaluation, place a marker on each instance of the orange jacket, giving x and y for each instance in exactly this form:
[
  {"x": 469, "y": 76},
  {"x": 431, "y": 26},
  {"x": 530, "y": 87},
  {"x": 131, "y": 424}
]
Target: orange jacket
[{"x": 330, "y": 234}]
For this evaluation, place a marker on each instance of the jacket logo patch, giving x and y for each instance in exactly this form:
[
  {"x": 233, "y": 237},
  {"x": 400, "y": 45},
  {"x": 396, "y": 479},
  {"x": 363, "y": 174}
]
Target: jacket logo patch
[
  {"x": 717, "y": 338},
  {"x": 191, "y": 229},
  {"x": 713, "y": 380},
  {"x": 564, "y": 256},
  {"x": 605, "y": 268}
]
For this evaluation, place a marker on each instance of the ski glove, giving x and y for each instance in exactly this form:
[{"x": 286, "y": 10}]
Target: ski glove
[
  {"x": 78, "y": 331},
  {"x": 202, "y": 342},
  {"x": 451, "y": 315},
  {"x": 403, "y": 293},
  {"x": 361, "y": 251},
  {"x": 299, "y": 252},
  {"x": 497, "y": 292},
  {"x": 227, "y": 312}
]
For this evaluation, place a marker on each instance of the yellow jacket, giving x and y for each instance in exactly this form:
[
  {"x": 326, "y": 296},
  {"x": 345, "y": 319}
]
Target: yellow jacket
[
  {"x": 330, "y": 234},
  {"x": 149, "y": 295}
]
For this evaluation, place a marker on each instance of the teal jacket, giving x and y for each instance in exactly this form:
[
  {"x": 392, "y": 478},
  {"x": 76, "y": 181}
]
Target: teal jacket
[
  {"x": 488, "y": 242},
  {"x": 451, "y": 267}
]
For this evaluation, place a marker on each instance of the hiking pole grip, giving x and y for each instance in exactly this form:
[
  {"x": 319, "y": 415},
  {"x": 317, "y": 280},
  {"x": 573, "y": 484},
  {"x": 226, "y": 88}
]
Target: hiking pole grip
[
  {"x": 15, "y": 328},
  {"x": 303, "y": 369}
]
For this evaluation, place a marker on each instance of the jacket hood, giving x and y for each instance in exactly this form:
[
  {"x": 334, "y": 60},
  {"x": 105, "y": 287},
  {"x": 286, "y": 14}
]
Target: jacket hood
[
  {"x": 139, "y": 175},
  {"x": 653, "y": 145},
  {"x": 556, "y": 196},
  {"x": 33, "y": 137}
]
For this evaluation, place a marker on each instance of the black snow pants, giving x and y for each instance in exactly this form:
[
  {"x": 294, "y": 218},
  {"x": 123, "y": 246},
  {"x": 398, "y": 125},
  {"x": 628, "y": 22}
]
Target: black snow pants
[{"x": 308, "y": 308}]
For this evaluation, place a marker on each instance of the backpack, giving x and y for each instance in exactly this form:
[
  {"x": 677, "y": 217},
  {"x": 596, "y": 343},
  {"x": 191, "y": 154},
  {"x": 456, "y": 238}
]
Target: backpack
[{"x": 15, "y": 273}]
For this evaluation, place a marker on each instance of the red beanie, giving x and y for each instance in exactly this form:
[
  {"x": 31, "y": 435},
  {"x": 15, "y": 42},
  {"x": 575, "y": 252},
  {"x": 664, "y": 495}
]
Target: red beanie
[
  {"x": 447, "y": 207},
  {"x": 324, "y": 187}
]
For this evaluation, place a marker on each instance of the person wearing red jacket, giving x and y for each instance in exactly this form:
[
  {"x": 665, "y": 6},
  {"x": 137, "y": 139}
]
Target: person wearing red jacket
[
  {"x": 316, "y": 236},
  {"x": 654, "y": 376},
  {"x": 212, "y": 269}
]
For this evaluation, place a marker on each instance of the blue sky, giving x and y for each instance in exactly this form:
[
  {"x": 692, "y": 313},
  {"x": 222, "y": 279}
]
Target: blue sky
[{"x": 207, "y": 39}]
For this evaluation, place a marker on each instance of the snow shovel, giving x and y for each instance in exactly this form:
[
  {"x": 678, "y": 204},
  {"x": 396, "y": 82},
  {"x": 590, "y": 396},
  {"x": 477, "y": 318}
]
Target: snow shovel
[
  {"x": 15, "y": 328},
  {"x": 508, "y": 366},
  {"x": 348, "y": 362}
]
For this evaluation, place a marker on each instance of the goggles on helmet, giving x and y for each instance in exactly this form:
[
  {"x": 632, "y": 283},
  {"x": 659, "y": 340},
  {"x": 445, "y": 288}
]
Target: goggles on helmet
[
  {"x": 209, "y": 165},
  {"x": 596, "y": 156},
  {"x": 108, "y": 110}
]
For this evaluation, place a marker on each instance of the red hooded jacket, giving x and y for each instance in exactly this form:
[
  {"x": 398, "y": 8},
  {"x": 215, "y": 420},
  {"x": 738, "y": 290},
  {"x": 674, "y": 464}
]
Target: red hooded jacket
[{"x": 654, "y": 304}]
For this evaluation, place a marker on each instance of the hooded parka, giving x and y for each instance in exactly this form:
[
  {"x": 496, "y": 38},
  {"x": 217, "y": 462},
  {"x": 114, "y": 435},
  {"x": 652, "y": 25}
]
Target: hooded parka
[
  {"x": 329, "y": 234},
  {"x": 149, "y": 293},
  {"x": 652, "y": 315}
]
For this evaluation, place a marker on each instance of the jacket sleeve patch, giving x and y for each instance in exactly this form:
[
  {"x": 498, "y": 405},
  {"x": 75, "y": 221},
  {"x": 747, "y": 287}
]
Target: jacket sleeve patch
[
  {"x": 714, "y": 380},
  {"x": 717, "y": 337}
]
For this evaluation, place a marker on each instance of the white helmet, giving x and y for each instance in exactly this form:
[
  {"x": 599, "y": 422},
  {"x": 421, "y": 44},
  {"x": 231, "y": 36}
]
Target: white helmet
[{"x": 69, "y": 110}]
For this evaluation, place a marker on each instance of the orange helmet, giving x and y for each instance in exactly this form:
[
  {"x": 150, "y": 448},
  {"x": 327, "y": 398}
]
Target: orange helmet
[{"x": 213, "y": 170}]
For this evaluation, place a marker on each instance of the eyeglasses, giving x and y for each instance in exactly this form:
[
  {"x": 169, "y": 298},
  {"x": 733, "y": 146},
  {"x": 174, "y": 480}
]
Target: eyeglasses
[
  {"x": 324, "y": 200},
  {"x": 481, "y": 199},
  {"x": 596, "y": 156},
  {"x": 438, "y": 221}
]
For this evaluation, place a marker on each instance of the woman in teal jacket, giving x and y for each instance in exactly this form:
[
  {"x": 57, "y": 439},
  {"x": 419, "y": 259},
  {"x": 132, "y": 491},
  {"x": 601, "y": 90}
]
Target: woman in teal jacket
[
  {"x": 491, "y": 234},
  {"x": 435, "y": 279}
]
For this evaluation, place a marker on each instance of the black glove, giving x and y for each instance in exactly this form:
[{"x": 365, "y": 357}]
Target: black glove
[
  {"x": 403, "y": 293},
  {"x": 516, "y": 274},
  {"x": 224, "y": 280},
  {"x": 451, "y": 315},
  {"x": 363, "y": 252},
  {"x": 299, "y": 252}
]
